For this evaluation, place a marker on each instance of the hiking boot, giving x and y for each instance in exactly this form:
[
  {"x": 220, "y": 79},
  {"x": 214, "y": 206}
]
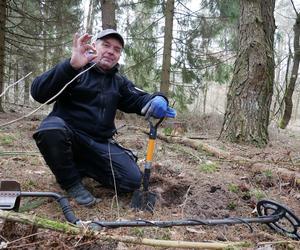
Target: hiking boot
[{"x": 81, "y": 195}]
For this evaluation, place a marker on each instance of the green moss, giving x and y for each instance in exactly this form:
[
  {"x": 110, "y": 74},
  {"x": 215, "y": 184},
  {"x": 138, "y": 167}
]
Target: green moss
[{"x": 56, "y": 225}]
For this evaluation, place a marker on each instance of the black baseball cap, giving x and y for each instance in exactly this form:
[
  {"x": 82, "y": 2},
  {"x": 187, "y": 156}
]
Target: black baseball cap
[{"x": 112, "y": 33}]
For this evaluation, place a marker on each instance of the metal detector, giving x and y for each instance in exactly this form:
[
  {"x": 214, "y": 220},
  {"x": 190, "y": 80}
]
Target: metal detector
[
  {"x": 10, "y": 197},
  {"x": 276, "y": 216}
]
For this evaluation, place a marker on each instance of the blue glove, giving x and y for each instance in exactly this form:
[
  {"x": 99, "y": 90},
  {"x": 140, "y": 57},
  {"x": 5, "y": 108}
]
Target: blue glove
[{"x": 158, "y": 108}]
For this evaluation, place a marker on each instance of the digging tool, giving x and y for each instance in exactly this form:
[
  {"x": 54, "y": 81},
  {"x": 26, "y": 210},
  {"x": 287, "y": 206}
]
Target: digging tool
[
  {"x": 276, "y": 216},
  {"x": 144, "y": 199}
]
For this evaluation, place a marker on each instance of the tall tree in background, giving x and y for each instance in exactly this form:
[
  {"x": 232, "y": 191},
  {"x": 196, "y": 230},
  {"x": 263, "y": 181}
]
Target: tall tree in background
[
  {"x": 38, "y": 34},
  {"x": 166, "y": 63},
  {"x": 288, "y": 95},
  {"x": 91, "y": 16},
  {"x": 250, "y": 92},
  {"x": 142, "y": 51},
  {"x": 198, "y": 61},
  {"x": 2, "y": 47},
  {"x": 108, "y": 11}
]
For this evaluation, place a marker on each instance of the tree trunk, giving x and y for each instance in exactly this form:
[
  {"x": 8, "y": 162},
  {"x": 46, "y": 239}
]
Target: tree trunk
[
  {"x": 44, "y": 14},
  {"x": 288, "y": 101},
  {"x": 2, "y": 47},
  {"x": 166, "y": 64},
  {"x": 277, "y": 83},
  {"x": 8, "y": 98},
  {"x": 88, "y": 19},
  {"x": 108, "y": 11},
  {"x": 205, "y": 89},
  {"x": 249, "y": 96},
  {"x": 16, "y": 87},
  {"x": 297, "y": 106},
  {"x": 26, "y": 70},
  {"x": 91, "y": 16}
]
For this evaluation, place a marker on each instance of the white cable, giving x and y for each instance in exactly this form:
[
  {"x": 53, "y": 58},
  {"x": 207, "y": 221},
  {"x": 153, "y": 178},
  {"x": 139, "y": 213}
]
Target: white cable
[
  {"x": 114, "y": 179},
  {"x": 48, "y": 101}
]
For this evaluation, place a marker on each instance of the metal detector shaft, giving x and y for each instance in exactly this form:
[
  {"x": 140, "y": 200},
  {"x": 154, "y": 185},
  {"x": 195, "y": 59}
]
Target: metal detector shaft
[
  {"x": 276, "y": 216},
  {"x": 62, "y": 201},
  {"x": 41, "y": 194},
  {"x": 189, "y": 222}
]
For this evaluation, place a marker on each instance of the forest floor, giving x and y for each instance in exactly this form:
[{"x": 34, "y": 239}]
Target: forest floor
[{"x": 200, "y": 177}]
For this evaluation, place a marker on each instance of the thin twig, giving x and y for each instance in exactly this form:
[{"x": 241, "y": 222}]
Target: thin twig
[
  {"x": 185, "y": 201},
  {"x": 27, "y": 245},
  {"x": 278, "y": 242},
  {"x": 292, "y": 2},
  {"x": 11, "y": 85},
  {"x": 25, "y": 237},
  {"x": 31, "y": 153},
  {"x": 114, "y": 180}
]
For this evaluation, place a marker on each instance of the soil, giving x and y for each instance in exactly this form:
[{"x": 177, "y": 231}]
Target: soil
[{"x": 189, "y": 183}]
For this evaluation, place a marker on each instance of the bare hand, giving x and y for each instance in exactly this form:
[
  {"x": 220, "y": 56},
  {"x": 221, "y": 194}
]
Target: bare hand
[{"x": 82, "y": 52}]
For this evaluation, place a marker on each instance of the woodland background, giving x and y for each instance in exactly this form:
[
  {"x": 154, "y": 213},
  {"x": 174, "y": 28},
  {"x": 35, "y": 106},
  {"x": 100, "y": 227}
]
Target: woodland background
[
  {"x": 186, "y": 49},
  {"x": 231, "y": 70}
]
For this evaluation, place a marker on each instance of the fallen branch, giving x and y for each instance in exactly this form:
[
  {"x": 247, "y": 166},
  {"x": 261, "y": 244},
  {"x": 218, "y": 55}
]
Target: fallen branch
[
  {"x": 71, "y": 229},
  {"x": 281, "y": 243},
  {"x": 256, "y": 166}
]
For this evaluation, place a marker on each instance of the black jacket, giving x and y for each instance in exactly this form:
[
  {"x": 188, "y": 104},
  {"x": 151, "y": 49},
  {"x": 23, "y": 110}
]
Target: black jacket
[{"x": 89, "y": 103}]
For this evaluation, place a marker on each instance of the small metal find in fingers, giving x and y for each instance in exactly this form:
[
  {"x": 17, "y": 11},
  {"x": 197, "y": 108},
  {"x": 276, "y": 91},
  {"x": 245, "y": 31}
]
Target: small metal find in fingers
[{"x": 10, "y": 195}]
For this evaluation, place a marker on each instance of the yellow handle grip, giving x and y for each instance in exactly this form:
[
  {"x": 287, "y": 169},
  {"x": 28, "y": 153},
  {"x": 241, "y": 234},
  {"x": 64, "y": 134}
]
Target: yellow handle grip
[{"x": 150, "y": 150}]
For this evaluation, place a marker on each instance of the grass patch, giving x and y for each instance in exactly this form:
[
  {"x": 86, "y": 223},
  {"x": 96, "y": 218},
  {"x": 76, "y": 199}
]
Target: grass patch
[
  {"x": 231, "y": 205},
  {"x": 258, "y": 194},
  {"x": 208, "y": 167},
  {"x": 30, "y": 185},
  {"x": 7, "y": 139},
  {"x": 233, "y": 188},
  {"x": 268, "y": 173},
  {"x": 138, "y": 232},
  {"x": 32, "y": 204},
  {"x": 167, "y": 131}
]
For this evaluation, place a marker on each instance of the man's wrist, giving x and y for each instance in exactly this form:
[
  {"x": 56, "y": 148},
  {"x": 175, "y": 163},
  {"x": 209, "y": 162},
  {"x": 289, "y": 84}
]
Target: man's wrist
[{"x": 74, "y": 65}]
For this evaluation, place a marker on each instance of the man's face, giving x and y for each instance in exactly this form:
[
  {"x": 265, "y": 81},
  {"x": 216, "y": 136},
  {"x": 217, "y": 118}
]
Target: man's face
[{"x": 109, "y": 50}]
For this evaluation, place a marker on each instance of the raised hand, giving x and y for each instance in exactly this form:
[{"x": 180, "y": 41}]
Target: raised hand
[{"x": 82, "y": 52}]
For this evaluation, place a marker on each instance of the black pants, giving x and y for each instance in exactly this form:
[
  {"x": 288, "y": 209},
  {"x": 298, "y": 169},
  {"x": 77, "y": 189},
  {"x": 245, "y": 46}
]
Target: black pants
[{"x": 72, "y": 155}]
